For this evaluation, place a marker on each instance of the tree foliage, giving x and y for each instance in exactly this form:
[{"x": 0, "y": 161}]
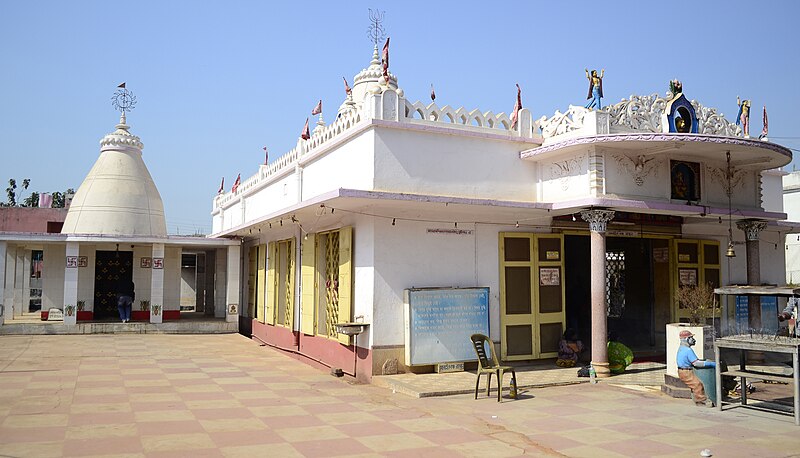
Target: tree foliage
[{"x": 15, "y": 200}]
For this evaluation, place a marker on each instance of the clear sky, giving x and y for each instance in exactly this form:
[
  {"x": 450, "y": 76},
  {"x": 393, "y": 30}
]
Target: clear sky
[{"x": 217, "y": 81}]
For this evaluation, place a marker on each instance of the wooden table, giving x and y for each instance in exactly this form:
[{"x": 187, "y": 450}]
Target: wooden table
[{"x": 765, "y": 344}]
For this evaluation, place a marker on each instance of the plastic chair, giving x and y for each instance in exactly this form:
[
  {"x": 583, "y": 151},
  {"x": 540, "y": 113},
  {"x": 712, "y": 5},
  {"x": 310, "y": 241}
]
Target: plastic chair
[{"x": 488, "y": 364}]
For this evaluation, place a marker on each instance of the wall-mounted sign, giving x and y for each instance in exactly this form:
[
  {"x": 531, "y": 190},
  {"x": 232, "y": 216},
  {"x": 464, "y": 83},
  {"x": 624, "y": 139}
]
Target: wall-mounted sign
[
  {"x": 622, "y": 233},
  {"x": 439, "y": 322},
  {"x": 158, "y": 263},
  {"x": 55, "y": 314},
  {"x": 687, "y": 277},
  {"x": 549, "y": 276},
  {"x": 146, "y": 263},
  {"x": 553, "y": 255},
  {"x": 450, "y": 231},
  {"x": 661, "y": 254},
  {"x": 684, "y": 258},
  {"x": 72, "y": 262},
  {"x": 83, "y": 261}
]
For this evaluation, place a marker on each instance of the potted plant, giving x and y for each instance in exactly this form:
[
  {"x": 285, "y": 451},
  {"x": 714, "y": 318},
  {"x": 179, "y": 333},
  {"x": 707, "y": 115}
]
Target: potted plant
[
  {"x": 699, "y": 301},
  {"x": 143, "y": 314},
  {"x": 84, "y": 315}
]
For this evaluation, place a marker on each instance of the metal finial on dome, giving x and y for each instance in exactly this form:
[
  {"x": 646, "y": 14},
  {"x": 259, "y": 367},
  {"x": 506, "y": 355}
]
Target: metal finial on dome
[
  {"x": 375, "y": 31},
  {"x": 123, "y": 100}
]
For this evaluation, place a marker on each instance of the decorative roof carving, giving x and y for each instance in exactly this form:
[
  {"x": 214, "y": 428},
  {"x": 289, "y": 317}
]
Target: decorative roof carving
[
  {"x": 639, "y": 167},
  {"x": 561, "y": 123},
  {"x": 121, "y": 136},
  {"x": 638, "y": 113}
]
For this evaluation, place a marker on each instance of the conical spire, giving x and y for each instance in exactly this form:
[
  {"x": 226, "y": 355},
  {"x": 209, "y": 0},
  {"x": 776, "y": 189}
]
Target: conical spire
[{"x": 118, "y": 195}]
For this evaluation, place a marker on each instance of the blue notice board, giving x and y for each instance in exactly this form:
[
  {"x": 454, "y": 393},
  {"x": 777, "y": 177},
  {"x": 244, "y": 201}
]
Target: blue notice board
[
  {"x": 769, "y": 313},
  {"x": 439, "y": 322}
]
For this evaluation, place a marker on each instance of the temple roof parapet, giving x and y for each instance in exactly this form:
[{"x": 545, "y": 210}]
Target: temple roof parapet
[
  {"x": 387, "y": 104},
  {"x": 636, "y": 114}
]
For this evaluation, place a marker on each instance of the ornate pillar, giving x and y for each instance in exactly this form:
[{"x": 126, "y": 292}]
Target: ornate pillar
[
  {"x": 598, "y": 220},
  {"x": 752, "y": 228}
]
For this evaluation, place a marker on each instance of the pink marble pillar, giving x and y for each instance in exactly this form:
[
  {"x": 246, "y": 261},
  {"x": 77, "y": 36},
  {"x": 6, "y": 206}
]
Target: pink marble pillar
[
  {"x": 752, "y": 228},
  {"x": 598, "y": 220}
]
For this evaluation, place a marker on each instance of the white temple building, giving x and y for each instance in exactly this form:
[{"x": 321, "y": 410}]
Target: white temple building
[
  {"x": 115, "y": 232},
  {"x": 416, "y": 224}
]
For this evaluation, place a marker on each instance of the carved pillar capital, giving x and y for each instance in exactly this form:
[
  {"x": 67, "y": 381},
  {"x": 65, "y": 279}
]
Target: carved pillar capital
[
  {"x": 751, "y": 228},
  {"x": 597, "y": 219}
]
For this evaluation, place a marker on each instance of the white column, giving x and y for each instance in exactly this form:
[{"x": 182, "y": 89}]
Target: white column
[
  {"x": 232, "y": 286},
  {"x": 19, "y": 306},
  {"x": 3, "y": 251},
  {"x": 157, "y": 284},
  {"x": 8, "y": 294},
  {"x": 70, "y": 307}
]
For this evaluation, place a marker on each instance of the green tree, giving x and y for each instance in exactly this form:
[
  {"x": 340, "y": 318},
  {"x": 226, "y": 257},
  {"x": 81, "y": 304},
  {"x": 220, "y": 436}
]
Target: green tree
[
  {"x": 60, "y": 199},
  {"x": 11, "y": 191},
  {"x": 32, "y": 200}
]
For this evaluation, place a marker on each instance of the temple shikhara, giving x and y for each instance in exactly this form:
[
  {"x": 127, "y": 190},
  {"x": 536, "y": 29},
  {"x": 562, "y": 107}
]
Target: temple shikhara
[{"x": 398, "y": 227}]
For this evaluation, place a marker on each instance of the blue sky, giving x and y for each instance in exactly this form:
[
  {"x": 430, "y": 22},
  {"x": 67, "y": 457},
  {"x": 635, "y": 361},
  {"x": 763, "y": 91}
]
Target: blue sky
[{"x": 217, "y": 81}]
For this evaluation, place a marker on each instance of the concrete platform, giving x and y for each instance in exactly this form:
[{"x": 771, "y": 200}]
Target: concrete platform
[
  {"x": 649, "y": 375},
  {"x": 190, "y": 323}
]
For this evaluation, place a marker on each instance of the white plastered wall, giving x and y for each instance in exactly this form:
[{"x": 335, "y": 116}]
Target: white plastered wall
[
  {"x": 172, "y": 278},
  {"x": 53, "y": 276},
  {"x": 86, "y": 276},
  {"x": 452, "y": 165}
]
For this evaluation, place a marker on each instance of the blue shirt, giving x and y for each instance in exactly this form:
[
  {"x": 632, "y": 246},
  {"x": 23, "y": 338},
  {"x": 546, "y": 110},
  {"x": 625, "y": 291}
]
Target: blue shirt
[{"x": 686, "y": 356}]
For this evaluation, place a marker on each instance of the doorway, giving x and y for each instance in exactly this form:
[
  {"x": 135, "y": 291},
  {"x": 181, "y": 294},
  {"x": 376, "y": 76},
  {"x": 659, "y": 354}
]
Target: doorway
[
  {"x": 637, "y": 290},
  {"x": 112, "y": 270}
]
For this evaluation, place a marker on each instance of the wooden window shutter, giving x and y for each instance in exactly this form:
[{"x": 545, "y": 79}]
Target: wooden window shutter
[
  {"x": 345, "y": 278},
  {"x": 272, "y": 258}
]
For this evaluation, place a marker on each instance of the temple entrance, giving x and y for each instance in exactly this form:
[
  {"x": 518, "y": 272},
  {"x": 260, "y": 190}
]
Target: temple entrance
[
  {"x": 637, "y": 290},
  {"x": 112, "y": 270}
]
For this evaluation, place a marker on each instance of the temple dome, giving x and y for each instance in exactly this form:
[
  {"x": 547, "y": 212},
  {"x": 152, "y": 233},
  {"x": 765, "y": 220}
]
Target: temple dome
[{"x": 118, "y": 196}]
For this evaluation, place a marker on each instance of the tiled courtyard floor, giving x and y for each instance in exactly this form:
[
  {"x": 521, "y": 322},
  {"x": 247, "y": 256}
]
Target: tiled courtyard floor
[{"x": 224, "y": 395}]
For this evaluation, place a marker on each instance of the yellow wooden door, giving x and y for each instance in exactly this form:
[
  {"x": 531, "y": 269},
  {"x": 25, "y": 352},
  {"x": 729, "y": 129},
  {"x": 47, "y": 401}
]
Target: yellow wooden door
[
  {"x": 696, "y": 262},
  {"x": 532, "y": 315}
]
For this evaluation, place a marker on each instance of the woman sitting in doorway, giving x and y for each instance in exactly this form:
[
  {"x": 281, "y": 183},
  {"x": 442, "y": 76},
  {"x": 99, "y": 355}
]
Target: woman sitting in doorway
[{"x": 569, "y": 349}]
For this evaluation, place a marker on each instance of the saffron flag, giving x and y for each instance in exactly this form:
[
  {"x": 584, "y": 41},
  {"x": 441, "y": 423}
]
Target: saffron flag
[
  {"x": 122, "y": 86},
  {"x": 433, "y": 94},
  {"x": 517, "y": 107},
  {"x": 306, "y": 134},
  {"x": 317, "y": 109},
  {"x": 347, "y": 89},
  {"x": 221, "y": 186},
  {"x": 237, "y": 183},
  {"x": 386, "y": 61},
  {"x": 765, "y": 130},
  {"x": 266, "y": 156}
]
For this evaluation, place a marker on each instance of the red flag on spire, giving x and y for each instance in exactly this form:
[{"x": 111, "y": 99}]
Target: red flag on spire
[
  {"x": 386, "y": 61},
  {"x": 221, "y": 186},
  {"x": 317, "y": 109},
  {"x": 433, "y": 94},
  {"x": 306, "y": 134},
  {"x": 765, "y": 129},
  {"x": 266, "y": 156},
  {"x": 347, "y": 89},
  {"x": 517, "y": 107},
  {"x": 237, "y": 183}
]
